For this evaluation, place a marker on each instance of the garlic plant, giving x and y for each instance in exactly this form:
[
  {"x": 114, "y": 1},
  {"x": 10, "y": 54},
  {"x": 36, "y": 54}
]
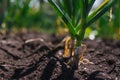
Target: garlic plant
[{"x": 76, "y": 15}]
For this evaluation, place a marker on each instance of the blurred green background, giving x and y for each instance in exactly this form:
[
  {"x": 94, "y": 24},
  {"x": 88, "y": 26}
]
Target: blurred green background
[{"x": 38, "y": 15}]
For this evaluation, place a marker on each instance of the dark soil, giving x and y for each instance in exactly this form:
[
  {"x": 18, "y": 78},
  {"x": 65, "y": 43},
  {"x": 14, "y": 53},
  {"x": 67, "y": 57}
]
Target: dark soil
[{"x": 22, "y": 58}]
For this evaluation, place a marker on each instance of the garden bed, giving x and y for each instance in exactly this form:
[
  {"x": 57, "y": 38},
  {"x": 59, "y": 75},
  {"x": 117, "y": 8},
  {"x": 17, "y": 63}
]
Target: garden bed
[{"x": 37, "y": 56}]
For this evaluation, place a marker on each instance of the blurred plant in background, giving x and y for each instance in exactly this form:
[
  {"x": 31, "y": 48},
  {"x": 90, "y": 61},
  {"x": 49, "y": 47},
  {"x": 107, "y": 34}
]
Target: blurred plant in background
[
  {"x": 35, "y": 14},
  {"x": 108, "y": 26},
  {"x": 3, "y": 5}
]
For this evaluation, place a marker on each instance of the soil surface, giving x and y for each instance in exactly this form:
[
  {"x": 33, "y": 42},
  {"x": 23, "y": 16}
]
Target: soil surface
[{"x": 37, "y": 56}]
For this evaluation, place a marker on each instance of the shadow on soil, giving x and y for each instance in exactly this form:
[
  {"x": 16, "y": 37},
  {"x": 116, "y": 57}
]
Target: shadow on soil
[{"x": 66, "y": 73}]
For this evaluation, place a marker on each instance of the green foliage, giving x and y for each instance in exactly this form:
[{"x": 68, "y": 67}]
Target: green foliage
[
  {"x": 19, "y": 14},
  {"x": 112, "y": 29},
  {"x": 2, "y": 10},
  {"x": 76, "y": 14}
]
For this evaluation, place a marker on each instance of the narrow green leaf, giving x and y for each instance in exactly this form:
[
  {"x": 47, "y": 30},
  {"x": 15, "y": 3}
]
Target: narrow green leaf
[
  {"x": 65, "y": 18},
  {"x": 68, "y": 7},
  {"x": 83, "y": 16},
  {"x": 98, "y": 9},
  {"x": 90, "y": 5},
  {"x": 100, "y": 13},
  {"x": 76, "y": 12}
]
